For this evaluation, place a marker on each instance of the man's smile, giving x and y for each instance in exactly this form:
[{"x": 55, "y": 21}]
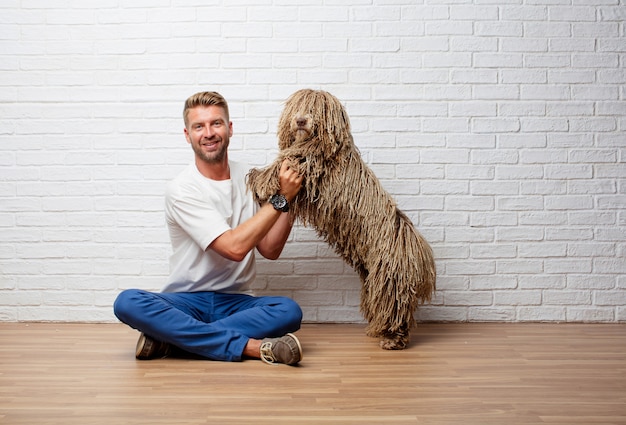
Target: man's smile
[{"x": 210, "y": 144}]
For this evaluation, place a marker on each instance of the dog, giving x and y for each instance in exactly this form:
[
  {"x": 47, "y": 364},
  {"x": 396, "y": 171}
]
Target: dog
[{"x": 346, "y": 204}]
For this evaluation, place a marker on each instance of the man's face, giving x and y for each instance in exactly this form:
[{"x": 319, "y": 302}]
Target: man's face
[{"x": 208, "y": 133}]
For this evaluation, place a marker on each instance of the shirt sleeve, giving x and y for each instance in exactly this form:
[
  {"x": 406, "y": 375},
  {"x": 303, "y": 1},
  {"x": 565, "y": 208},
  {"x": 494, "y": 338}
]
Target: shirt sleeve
[{"x": 198, "y": 218}]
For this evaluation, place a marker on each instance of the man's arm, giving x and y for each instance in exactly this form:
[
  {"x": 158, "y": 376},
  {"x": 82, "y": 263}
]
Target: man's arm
[
  {"x": 267, "y": 230},
  {"x": 273, "y": 243}
]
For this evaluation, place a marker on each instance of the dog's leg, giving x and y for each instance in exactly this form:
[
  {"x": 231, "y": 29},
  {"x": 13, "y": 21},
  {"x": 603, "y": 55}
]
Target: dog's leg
[
  {"x": 387, "y": 319},
  {"x": 264, "y": 182}
]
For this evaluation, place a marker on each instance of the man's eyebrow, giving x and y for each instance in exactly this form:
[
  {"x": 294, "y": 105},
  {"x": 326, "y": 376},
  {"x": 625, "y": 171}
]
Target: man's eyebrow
[{"x": 199, "y": 122}]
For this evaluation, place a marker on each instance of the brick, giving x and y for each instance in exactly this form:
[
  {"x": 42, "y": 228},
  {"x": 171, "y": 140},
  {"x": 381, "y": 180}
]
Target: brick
[
  {"x": 499, "y": 29},
  {"x": 570, "y": 203},
  {"x": 423, "y": 12},
  {"x": 454, "y": 298},
  {"x": 610, "y": 265},
  {"x": 568, "y": 171},
  {"x": 547, "y": 29},
  {"x": 449, "y": 28},
  {"x": 524, "y": 45},
  {"x": 565, "y": 233},
  {"x": 465, "y": 268},
  {"x": 590, "y": 315},
  {"x": 595, "y": 60},
  {"x": 493, "y": 251},
  {"x": 530, "y": 125},
  {"x": 338, "y": 315},
  {"x": 473, "y": 44},
  {"x": 590, "y": 281},
  {"x": 438, "y": 314},
  {"x": 569, "y": 140},
  {"x": 450, "y": 125},
  {"x": 498, "y": 60},
  {"x": 570, "y": 108},
  {"x": 612, "y": 13},
  {"x": 479, "y": 219},
  {"x": 541, "y": 314},
  {"x": 471, "y": 172},
  {"x": 547, "y": 60},
  {"x": 525, "y": 13},
  {"x": 519, "y": 234},
  {"x": 489, "y": 125},
  {"x": 510, "y": 76},
  {"x": 473, "y": 108},
  {"x": 551, "y": 297},
  {"x": 496, "y": 92},
  {"x": 544, "y": 92},
  {"x": 572, "y": 45},
  {"x": 450, "y": 252},
  {"x": 519, "y": 267},
  {"x": 375, "y": 45},
  {"x": 493, "y": 283},
  {"x": 596, "y": 29},
  {"x": 610, "y": 298},
  {"x": 466, "y": 203},
  {"x": 516, "y": 141},
  {"x": 427, "y": 44},
  {"x": 516, "y": 172},
  {"x": 567, "y": 266},
  {"x": 491, "y": 314},
  {"x": 577, "y": 218},
  {"x": 571, "y": 13},
  {"x": 612, "y": 76},
  {"x": 543, "y": 250},
  {"x": 542, "y": 282},
  {"x": 516, "y": 298},
  {"x": 592, "y": 187},
  {"x": 465, "y": 235}
]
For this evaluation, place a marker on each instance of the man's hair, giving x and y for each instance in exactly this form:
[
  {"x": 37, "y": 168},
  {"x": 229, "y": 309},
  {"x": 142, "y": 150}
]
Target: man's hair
[{"x": 206, "y": 98}]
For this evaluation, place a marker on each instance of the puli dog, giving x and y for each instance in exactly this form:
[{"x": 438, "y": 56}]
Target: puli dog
[{"x": 348, "y": 207}]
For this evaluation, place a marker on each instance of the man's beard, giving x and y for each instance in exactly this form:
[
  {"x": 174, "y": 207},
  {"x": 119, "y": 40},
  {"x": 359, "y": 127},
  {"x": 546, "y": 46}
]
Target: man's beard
[{"x": 212, "y": 157}]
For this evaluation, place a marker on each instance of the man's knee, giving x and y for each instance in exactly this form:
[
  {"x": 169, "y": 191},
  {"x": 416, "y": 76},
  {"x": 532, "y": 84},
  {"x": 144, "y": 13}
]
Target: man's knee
[
  {"x": 126, "y": 303},
  {"x": 293, "y": 312}
]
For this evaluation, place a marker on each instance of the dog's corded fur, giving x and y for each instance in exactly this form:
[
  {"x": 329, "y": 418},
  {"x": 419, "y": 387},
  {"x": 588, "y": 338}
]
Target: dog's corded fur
[{"x": 346, "y": 204}]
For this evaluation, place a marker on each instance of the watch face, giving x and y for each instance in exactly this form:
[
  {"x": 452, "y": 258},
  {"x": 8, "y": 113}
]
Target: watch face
[{"x": 279, "y": 202}]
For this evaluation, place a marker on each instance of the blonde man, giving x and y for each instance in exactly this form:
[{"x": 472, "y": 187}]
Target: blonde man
[{"x": 206, "y": 307}]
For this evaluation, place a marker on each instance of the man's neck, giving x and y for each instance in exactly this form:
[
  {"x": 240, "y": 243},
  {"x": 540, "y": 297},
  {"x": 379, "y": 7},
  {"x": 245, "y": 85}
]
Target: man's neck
[{"x": 214, "y": 171}]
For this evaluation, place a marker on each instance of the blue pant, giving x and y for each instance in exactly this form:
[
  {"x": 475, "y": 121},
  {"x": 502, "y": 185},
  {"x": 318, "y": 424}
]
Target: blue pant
[{"x": 210, "y": 324}]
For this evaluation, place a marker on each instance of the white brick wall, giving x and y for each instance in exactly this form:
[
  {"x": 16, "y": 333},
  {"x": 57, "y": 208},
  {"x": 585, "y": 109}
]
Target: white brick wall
[{"x": 498, "y": 126}]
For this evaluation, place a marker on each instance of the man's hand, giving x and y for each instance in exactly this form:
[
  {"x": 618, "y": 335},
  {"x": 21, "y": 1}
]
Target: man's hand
[{"x": 290, "y": 180}]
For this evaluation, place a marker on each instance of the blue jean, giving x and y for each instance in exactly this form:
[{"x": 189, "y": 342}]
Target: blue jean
[{"x": 210, "y": 324}]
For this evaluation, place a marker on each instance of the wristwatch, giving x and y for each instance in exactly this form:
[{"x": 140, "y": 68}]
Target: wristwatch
[{"x": 279, "y": 202}]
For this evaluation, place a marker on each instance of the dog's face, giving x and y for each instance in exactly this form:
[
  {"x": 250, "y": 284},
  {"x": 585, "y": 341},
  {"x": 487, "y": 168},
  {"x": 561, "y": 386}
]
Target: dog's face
[
  {"x": 314, "y": 119},
  {"x": 301, "y": 126}
]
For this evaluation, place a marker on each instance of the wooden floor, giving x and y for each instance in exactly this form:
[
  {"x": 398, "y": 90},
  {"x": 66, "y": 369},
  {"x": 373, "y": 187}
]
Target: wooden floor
[{"x": 452, "y": 373}]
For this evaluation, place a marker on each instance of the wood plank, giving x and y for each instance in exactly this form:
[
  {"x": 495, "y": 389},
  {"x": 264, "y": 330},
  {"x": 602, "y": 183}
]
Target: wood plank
[{"x": 476, "y": 373}]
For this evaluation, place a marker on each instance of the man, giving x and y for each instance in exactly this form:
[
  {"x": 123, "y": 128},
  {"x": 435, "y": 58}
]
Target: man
[{"x": 206, "y": 307}]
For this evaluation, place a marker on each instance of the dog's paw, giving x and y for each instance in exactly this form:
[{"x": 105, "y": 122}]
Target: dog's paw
[
  {"x": 394, "y": 342},
  {"x": 263, "y": 183}
]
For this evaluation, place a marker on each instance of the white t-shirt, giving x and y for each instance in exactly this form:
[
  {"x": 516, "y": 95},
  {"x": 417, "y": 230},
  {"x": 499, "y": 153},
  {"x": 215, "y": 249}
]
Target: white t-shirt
[{"x": 198, "y": 210}]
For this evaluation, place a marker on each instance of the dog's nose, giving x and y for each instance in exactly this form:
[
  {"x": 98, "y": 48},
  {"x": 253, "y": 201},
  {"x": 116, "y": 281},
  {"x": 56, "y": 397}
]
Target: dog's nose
[{"x": 301, "y": 122}]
